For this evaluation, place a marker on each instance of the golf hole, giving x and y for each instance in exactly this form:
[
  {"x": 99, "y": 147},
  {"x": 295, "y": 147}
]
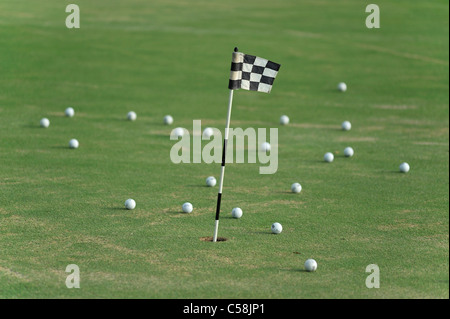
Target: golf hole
[{"x": 209, "y": 238}]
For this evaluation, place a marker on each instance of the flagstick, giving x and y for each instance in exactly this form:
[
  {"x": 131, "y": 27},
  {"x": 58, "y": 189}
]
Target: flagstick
[{"x": 222, "y": 172}]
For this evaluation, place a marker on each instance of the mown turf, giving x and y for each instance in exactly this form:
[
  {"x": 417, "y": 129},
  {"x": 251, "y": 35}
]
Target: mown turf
[{"x": 60, "y": 206}]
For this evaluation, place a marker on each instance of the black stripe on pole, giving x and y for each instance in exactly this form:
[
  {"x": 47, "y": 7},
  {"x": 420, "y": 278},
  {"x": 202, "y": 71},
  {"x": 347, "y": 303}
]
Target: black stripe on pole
[
  {"x": 219, "y": 199},
  {"x": 236, "y": 66},
  {"x": 219, "y": 195},
  {"x": 224, "y": 151},
  {"x": 234, "y": 84}
]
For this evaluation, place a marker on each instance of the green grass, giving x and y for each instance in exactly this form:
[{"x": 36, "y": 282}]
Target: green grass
[{"x": 61, "y": 206}]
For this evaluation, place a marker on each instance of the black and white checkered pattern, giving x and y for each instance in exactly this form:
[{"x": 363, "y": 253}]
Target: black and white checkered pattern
[{"x": 252, "y": 73}]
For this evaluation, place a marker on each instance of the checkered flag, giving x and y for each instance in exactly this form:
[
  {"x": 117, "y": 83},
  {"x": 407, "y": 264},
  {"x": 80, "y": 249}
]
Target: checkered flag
[{"x": 252, "y": 73}]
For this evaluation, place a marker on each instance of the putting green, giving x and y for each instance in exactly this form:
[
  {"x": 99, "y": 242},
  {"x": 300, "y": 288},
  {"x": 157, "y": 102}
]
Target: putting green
[{"x": 60, "y": 206}]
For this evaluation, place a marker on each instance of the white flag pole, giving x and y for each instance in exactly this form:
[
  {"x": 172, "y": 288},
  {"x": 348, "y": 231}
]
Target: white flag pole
[
  {"x": 224, "y": 151},
  {"x": 222, "y": 171}
]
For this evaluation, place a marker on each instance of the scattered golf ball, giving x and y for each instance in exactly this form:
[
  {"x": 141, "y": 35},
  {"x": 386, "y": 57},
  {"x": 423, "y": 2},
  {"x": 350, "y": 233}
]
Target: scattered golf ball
[
  {"x": 328, "y": 157},
  {"x": 177, "y": 132},
  {"x": 132, "y": 116},
  {"x": 208, "y": 132},
  {"x": 276, "y": 228},
  {"x": 349, "y": 152},
  {"x": 73, "y": 143},
  {"x": 130, "y": 204},
  {"x": 187, "y": 208},
  {"x": 342, "y": 87},
  {"x": 284, "y": 120},
  {"x": 236, "y": 212},
  {"x": 211, "y": 181},
  {"x": 310, "y": 265},
  {"x": 346, "y": 126},
  {"x": 296, "y": 188},
  {"x": 70, "y": 112},
  {"x": 264, "y": 147},
  {"x": 45, "y": 122},
  {"x": 404, "y": 167},
  {"x": 168, "y": 120}
]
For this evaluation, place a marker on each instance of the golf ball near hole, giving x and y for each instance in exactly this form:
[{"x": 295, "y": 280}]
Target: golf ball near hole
[
  {"x": 168, "y": 120},
  {"x": 310, "y": 265},
  {"x": 404, "y": 167},
  {"x": 328, "y": 157},
  {"x": 284, "y": 120},
  {"x": 130, "y": 204},
  {"x": 342, "y": 87},
  {"x": 348, "y": 152},
  {"x": 236, "y": 212},
  {"x": 45, "y": 122},
  {"x": 73, "y": 143},
  {"x": 211, "y": 181},
  {"x": 187, "y": 208},
  {"x": 132, "y": 116},
  {"x": 70, "y": 112},
  {"x": 276, "y": 228},
  {"x": 264, "y": 147},
  {"x": 346, "y": 126},
  {"x": 296, "y": 188}
]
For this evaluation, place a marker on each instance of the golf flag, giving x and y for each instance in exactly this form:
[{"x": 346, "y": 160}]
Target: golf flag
[{"x": 252, "y": 73}]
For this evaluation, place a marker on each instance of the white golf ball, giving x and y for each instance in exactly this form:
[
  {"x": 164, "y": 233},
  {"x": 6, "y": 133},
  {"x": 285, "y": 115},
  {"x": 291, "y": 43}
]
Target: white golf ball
[
  {"x": 168, "y": 120},
  {"x": 404, "y": 167},
  {"x": 342, "y": 87},
  {"x": 177, "y": 132},
  {"x": 70, "y": 112},
  {"x": 132, "y": 116},
  {"x": 346, "y": 126},
  {"x": 73, "y": 143},
  {"x": 236, "y": 212},
  {"x": 211, "y": 181},
  {"x": 130, "y": 204},
  {"x": 296, "y": 188},
  {"x": 264, "y": 147},
  {"x": 187, "y": 208},
  {"x": 328, "y": 157},
  {"x": 310, "y": 265},
  {"x": 45, "y": 122},
  {"x": 348, "y": 152},
  {"x": 284, "y": 120},
  {"x": 276, "y": 228},
  {"x": 207, "y": 133}
]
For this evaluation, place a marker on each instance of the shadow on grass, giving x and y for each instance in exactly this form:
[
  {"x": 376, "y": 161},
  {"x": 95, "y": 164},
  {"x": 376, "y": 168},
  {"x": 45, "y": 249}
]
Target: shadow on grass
[
  {"x": 226, "y": 217},
  {"x": 116, "y": 208},
  {"x": 32, "y": 126},
  {"x": 316, "y": 161},
  {"x": 286, "y": 192},
  {"x": 263, "y": 233},
  {"x": 394, "y": 172},
  {"x": 295, "y": 270}
]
